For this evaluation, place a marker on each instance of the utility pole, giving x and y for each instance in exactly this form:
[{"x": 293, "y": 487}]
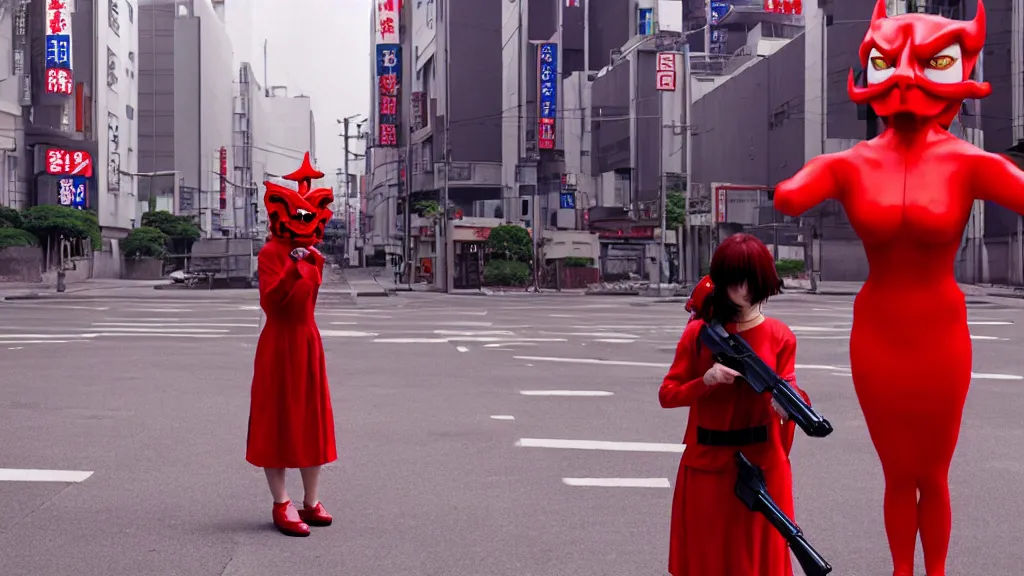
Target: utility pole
[
  {"x": 346, "y": 122},
  {"x": 447, "y": 269},
  {"x": 407, "y": 255}
]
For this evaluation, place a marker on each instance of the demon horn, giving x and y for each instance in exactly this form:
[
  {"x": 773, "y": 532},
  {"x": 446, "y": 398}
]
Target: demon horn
[
  {"x": 978, "y": 24},
  {"x": 881, "y": 12}
]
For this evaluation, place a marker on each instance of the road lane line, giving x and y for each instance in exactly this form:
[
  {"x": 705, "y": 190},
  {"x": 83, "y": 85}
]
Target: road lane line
[
  {"x": 581, "y": 393},
  {"x": 600, "y": 445},
  {"x": 618, "y": 482},
  {"x": 502, "y": 417},
  {"x": 31, "y": 475}
]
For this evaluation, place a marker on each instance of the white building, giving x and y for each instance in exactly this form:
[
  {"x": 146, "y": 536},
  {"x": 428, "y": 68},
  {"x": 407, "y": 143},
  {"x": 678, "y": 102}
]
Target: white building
[
  {"x": 117, "y": 101},
  {"x": 273, "y": 132},
  {"x": 13, "y": 189}
]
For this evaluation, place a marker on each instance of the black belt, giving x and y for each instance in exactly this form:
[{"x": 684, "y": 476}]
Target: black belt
[{"x": 742, "y": 437}]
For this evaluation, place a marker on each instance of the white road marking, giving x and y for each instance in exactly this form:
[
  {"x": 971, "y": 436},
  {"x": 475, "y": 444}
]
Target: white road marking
[
  {"x": 16, "y": 348},
  {"x": 989, "y": 323},
  {"x": 162, "y": 330},
  {"x": 38, "y": 342},
  {"x": 344, "y": 323},
  {"x": 618, "y": 482},
  {"x": 174, "y": 324},
  {"x": 30, "y": 475},
  {"x": 346, "y": 334},
  {"x": 462, "y": 349},
  {"x": 474, "y": 333},
  {"x": 614, "y": 341},
  {"x": 510, "y": 340},
  {"x": 984, "y": 376},
  {"x": 165, "y": 310},
  {"x": 818, "y": 329},
  {"x": 502, "y": 417},
  {"x": 595, "y": 334},
  {"x": 594, "y": 361},
  {"x": 842, "y": 374},
  {"x": 977, "y": 337},
  {"x": 600, "y": 445},
  {"x": 581, "y": 393}
]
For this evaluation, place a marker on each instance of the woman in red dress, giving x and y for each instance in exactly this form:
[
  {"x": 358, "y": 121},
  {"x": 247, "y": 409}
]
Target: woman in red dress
[
  {"x": 291, "y": 424},
  {"x": 713, "y": 532}
]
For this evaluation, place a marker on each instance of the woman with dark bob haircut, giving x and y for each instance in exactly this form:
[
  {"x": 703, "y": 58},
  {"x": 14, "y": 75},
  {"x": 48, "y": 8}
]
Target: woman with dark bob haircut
[{"x": 713, "y": 532}]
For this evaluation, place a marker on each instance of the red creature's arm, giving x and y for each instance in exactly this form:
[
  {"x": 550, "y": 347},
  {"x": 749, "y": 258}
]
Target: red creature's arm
[
  {"x": 995, "y": 178},
  {"x": 786, "y": 364},
  {"x": 812, "y": 185},
  {"x": 278, "y": 275},
  {"x": 684, "y": 382}
]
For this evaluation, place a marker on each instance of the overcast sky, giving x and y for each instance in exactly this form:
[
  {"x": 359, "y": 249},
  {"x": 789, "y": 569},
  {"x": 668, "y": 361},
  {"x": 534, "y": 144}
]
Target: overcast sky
[{"x": 320, "y": 48}]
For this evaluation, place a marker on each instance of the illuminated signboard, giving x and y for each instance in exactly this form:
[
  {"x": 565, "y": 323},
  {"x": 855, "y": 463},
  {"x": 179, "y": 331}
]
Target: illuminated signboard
[
  {"x": 389, "y": 69},
  {"x": 59, "y": 78},
  {"x": 794, "y": 7},
  {"x": 547, "y": 97},
  {"x": 61, "y": 162},
  {"x": 223, "y": 177},
  {"x": 72, "y": 192}
]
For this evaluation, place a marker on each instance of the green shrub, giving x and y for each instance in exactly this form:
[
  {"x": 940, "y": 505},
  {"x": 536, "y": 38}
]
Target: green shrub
[
  {"x": 145, "y": 242},
  {"x": 10, "y": 218},
  {"x": 506, "y": 273},
  {"x": 578, "y": 262},
  {"x": 173, "y": 226},
  {"x": 53, "y": 221},
  {"x": 510, "y": 242},
  {"x": 787, "y": 268},
  {"x": 12, "y": 237}
]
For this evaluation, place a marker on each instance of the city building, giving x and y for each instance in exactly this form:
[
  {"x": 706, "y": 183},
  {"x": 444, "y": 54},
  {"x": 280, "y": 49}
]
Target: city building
[
  {"x": 117, "y": 101},
  {"x": 186, "y": 104},
  {"x": 57, "y": 162},
  {"x": 774, "y": 96},
  {"x": 15, "y": 92},
  {"x": 449, "y": 69},
  {"x": 272, "y": 133}
]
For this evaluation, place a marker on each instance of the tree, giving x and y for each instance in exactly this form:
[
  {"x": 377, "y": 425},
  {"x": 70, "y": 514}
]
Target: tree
[
  {"x": 675, "y": 210},
  {"x": 510, "y": 242},
  {"x": 51, "y": 222},
  {"x": 145, "y": 242}
]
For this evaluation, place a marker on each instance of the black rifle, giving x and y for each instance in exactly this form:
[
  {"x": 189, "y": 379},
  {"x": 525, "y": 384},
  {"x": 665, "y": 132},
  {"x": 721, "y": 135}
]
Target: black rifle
[
  {"x": 733, "y": 351},
  {"x": 751, "y": 490}
]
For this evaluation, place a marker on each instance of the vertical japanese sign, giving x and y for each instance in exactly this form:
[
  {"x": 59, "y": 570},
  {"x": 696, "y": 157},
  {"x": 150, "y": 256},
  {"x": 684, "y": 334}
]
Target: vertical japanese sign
[
  {"x": 20, "y": 53},
  {"x": 389, "y": 70},
  {"x": 547, "y": 94},
  {"x": 59, "y": 78},
  {"x": 666, "y": 73},
  {"x": 223, "y": 177},
  {"x": 387, "y": 21}
]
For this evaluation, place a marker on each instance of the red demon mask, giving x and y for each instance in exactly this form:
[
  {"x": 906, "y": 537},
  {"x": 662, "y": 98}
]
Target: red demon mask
[
  {"x": 920, "y": 64},
  {"x": 299, "y": 216}
]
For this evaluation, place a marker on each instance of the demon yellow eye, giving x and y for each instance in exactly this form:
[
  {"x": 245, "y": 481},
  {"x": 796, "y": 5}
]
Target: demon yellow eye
[
  {"x": 941, "y": 62},
  {"x": 880, "y": 64}
]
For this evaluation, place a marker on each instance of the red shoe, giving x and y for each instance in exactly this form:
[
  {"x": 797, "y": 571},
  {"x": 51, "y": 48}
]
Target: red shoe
[
  {"x": 288, "y": 521},
  {"x": 315, "y": 516}
]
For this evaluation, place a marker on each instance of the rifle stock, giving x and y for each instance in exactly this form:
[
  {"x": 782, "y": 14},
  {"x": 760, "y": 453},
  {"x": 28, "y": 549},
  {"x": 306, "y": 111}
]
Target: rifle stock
[{"x": 752, "y": 491}]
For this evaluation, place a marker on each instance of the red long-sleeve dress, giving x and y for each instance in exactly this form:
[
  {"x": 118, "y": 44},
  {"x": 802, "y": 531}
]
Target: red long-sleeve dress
[
  {"x": 713, "y": 532},
  {"x": 291, "y": 422}
]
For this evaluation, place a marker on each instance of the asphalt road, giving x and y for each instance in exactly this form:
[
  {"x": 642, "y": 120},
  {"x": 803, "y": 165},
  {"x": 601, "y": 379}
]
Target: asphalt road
[{"x": 455, "y": 457}]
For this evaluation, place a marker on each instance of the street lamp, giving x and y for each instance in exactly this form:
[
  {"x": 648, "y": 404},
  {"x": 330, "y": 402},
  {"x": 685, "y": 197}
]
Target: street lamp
[{"x": 360, "y": 135}]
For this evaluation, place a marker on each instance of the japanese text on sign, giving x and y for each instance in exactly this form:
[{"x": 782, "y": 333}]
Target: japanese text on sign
[
  {"x": 387, "y": 21},
  {"x": 547, "y": 100},
  {"x": 59, "y": 78},
  {"x": 794, "y": 7},
  {"x": 76, "y": 163},
  {"x": 389, "y": 70},
  {"x": 666, "y": 72}
]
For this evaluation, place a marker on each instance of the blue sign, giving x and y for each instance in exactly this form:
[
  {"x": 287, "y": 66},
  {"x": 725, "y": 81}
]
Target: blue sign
[
  {"x": 58, "y": 51},
  {"x": 718, "y": 11},
  {"x": 389, "y": 59},
  {"x": 567, "y": 200},
  {"x": 645, "y": 23},
  {"x": 547, "y": 103}
]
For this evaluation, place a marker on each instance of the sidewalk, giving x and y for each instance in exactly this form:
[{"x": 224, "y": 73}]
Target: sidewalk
[{"x": 95, "y": 288}]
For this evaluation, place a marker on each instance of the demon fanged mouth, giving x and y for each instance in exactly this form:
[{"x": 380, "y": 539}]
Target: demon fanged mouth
[
  {"x": 919, "y": 64},
  {"x": 299, "y": 216}
]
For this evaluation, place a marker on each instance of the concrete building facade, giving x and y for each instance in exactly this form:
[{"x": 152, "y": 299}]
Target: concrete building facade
[
  {"x": 14, "y": 77},
  {"x": 272, "y": 134},
  {"x": 117, "y": 130},
  {"x": 186, "y": 102}
]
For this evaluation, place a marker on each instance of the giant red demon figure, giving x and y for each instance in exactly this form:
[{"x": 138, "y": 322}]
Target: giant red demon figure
[
  {"x": 908, "y": 195},
  {"x": 291, "y": 424}
]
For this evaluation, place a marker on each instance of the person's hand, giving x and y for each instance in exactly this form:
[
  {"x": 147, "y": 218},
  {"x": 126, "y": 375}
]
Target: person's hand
[
  {"x": 298, "y": 254},
  {"x": 779, "y": 410},
  {"x": 313, "y": 255},
  {"x": 719, "y": 374}
]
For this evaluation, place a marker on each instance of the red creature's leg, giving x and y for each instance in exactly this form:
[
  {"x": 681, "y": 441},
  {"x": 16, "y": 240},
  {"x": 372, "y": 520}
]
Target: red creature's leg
[{"x": 913, "y": 412}]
